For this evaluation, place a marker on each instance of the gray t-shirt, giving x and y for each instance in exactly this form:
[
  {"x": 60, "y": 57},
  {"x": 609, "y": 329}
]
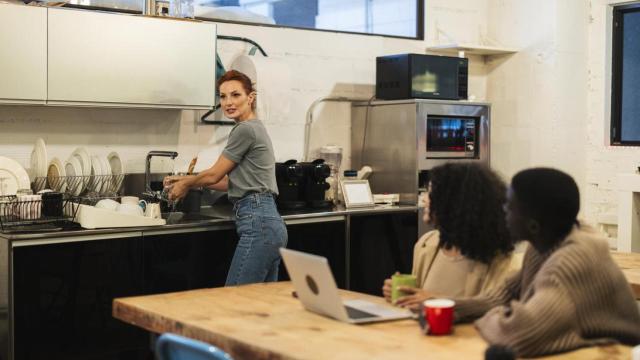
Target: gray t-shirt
[{"x": 249, "y": 146}]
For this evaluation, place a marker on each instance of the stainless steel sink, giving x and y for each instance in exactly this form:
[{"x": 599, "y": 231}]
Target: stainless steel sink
[{"x": 178, "y": 217}]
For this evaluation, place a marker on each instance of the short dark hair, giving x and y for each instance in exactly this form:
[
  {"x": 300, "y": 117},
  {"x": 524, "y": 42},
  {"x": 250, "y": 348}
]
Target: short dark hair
[
  {"x": 549, "y": 196},
  {"x": 238, "y": 76},
  {"x": 466, "y": 202}
]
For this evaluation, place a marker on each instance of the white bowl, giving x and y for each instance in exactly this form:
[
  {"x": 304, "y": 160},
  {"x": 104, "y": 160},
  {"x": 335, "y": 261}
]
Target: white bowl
[
  {"x": 108, "y": 204},
  {"x": 130, "y": 209}
]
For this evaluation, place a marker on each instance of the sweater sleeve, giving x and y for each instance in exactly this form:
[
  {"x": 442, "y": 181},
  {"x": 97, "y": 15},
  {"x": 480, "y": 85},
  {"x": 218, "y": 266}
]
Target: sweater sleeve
[
  {"x": 469, "y": 309},
  {"x": 538, "y": 326}
]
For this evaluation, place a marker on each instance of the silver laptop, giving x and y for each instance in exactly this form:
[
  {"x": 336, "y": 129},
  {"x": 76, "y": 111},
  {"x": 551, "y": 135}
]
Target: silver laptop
[{"x": 316, "y": 288}]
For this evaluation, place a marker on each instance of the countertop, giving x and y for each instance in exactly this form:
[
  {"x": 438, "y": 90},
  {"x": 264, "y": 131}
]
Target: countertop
[{"x": 221, "y": 218}]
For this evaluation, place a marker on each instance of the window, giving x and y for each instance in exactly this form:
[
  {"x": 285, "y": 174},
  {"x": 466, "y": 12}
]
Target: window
[
  {"x": 625, "y": 90},
  {"x": 399, "y": 18}
]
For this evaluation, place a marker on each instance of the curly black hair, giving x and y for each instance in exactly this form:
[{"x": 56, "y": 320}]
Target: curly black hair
[{"x": 466, "y": 202}]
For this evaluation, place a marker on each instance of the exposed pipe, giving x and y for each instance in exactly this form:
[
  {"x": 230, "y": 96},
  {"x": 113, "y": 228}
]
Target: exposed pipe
[
  {"x": 309, "y": 117},
  {"x": 238, "y": 38}
]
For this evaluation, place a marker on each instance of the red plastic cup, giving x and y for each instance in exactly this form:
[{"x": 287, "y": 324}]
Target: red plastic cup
[{"x": 438, "y": 314}]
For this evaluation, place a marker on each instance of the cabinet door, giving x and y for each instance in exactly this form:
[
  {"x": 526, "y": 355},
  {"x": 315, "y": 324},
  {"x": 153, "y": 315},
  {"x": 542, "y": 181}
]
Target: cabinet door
[
  {"x": 23, "y": 54},
  {"x": 187, "y": 260},
  {"x": 62, "y": 296},
  {"x": 325, "y": 238},
  {"x": 116, "y": 59},
  {"x": 381, "y": 245}
]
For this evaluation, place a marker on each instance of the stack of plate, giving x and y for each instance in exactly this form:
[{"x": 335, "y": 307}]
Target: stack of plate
[
  {"x": 78, "y": 171},
  {"x": 100, "y": 175}
]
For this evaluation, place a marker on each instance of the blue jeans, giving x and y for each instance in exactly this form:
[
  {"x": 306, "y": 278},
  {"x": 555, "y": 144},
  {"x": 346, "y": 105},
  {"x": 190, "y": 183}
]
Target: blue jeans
[{"x": 262, "y": 232}]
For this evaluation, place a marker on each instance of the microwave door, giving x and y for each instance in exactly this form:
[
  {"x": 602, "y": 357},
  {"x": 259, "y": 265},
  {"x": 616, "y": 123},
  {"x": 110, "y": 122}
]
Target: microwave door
[{"x": 437, "y": 78}]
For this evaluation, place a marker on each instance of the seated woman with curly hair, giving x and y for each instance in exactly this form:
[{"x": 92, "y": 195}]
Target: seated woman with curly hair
[{"x": 470, "y": 251}]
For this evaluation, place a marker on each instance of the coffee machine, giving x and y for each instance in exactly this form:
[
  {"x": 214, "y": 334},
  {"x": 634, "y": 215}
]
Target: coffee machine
[
  {"x": 403, "y": 139},
  {"x": 290, "y": 180},
  {"x": 302, "y": 185},
  {"x": 315, "y": 173}
]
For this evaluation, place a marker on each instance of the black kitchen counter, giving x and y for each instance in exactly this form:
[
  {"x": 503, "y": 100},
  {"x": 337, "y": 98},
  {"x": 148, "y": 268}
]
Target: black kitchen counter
[{"x": 219, "y": 217}]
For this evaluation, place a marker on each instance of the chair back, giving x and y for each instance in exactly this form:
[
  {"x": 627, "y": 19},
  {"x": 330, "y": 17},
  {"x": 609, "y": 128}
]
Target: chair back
[{"x": 175, "y": 347}]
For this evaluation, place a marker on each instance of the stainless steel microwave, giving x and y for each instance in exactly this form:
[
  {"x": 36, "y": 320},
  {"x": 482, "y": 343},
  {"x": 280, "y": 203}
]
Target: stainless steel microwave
[{"x": 418, "y": 76}]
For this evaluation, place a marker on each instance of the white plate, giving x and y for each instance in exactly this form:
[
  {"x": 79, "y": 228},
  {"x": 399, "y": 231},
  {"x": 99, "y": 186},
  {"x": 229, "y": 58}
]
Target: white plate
[
  {"x": 39, "y": 159},
  {"x": 73, "y": 168},
  {"x": 12, "y": 177},
  {"x": 96, "y": 172},
  {"x": 85, "y": 160},
  {"x": 56, "y": 175},
  {"x": 116, "y": 166},
  {"x": 106, "y": 170}
]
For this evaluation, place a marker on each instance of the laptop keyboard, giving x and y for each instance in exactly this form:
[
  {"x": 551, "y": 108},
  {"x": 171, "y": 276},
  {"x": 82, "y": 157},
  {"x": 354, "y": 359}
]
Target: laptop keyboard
[{"x": 358, "y": 314}]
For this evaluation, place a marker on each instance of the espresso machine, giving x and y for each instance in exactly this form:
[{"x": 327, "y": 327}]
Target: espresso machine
[
  {"x": 290, "y": 180},
  {"x": 315, "y": 173},
  {"x": 302, "y": 185},
  {"x": 401, "y": 140}
]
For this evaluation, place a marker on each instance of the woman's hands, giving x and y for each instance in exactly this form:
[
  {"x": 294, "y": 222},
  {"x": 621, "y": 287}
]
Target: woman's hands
[
  {"x": 414, "y": 299},
  {"x": 177, "y": 186},
  {"x": 179, "y": 189},
  {"x": 169, "y": 180},
  {"x": 386, "y": 289}
]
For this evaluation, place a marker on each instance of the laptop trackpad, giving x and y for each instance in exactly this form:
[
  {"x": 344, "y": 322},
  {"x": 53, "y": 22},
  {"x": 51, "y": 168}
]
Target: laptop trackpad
[{"x": 375, "y": 309}]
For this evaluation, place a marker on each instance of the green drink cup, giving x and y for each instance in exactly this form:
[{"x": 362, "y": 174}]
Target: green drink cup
[{"x": 398, "y": 280}]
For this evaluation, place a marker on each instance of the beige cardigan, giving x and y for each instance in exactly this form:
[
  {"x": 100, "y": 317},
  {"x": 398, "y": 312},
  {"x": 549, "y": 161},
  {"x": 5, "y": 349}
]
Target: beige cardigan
[
  {"x": 568, "y": 297},
  {"x": 482, "y": 278}
]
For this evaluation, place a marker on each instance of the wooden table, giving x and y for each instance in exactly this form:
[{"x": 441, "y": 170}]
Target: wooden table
[
  {"x": 630, "y": 265},
  {"x": 263, "y": 321}
]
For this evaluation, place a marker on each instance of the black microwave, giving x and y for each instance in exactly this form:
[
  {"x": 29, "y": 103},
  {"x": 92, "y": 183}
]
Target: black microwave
[{"x": 410, "y": 76}]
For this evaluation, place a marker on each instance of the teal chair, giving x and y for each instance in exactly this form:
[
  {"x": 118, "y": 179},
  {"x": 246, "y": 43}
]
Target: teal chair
[{"x": 175, "y": 347}]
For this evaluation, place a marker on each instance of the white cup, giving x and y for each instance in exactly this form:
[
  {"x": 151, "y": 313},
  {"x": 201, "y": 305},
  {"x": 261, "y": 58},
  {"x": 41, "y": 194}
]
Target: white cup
[
  {"x": 108, "y": 204},
  {"x": 130, "y": 209},
  {"x": 29, "y": 207},
  {"x": 133, "y": 200},
  {"x": 153, "y": 211}
]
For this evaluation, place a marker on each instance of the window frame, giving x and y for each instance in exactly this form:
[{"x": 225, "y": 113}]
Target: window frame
[
  {"x": 420, "y": 14},
  {"x": 617, "y": 56}
]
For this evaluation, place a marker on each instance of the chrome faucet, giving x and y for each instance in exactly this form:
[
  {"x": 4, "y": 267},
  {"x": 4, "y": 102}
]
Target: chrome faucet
[{"x": 147, "y": 171}]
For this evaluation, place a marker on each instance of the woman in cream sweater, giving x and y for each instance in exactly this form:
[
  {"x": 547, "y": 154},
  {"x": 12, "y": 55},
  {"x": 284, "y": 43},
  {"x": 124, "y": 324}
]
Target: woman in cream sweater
[{"x": 470, "y": 250}]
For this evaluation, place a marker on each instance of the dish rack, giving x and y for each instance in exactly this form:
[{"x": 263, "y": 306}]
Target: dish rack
[
  {"x": 93, "y": 185},
  {"x": 18, "y": 215}
]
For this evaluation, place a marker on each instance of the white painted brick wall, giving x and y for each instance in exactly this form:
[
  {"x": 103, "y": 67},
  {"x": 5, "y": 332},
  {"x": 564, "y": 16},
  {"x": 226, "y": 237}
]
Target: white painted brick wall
[
  {"x": 605, "y": 162},
  {"x": 548, "y": 100},
  {"x": 539, "y": 94},
  {"x": 321, "y": 63}
]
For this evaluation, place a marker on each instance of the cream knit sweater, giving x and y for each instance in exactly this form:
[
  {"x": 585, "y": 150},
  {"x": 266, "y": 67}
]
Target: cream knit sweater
[{"x": 568, "y": 297}]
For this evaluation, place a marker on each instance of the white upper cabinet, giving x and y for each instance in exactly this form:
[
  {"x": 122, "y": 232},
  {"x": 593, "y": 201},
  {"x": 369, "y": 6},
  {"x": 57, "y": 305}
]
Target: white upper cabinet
[
  {"x": 102, "y": 59},
  {"x": 23, "y": 54}
]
